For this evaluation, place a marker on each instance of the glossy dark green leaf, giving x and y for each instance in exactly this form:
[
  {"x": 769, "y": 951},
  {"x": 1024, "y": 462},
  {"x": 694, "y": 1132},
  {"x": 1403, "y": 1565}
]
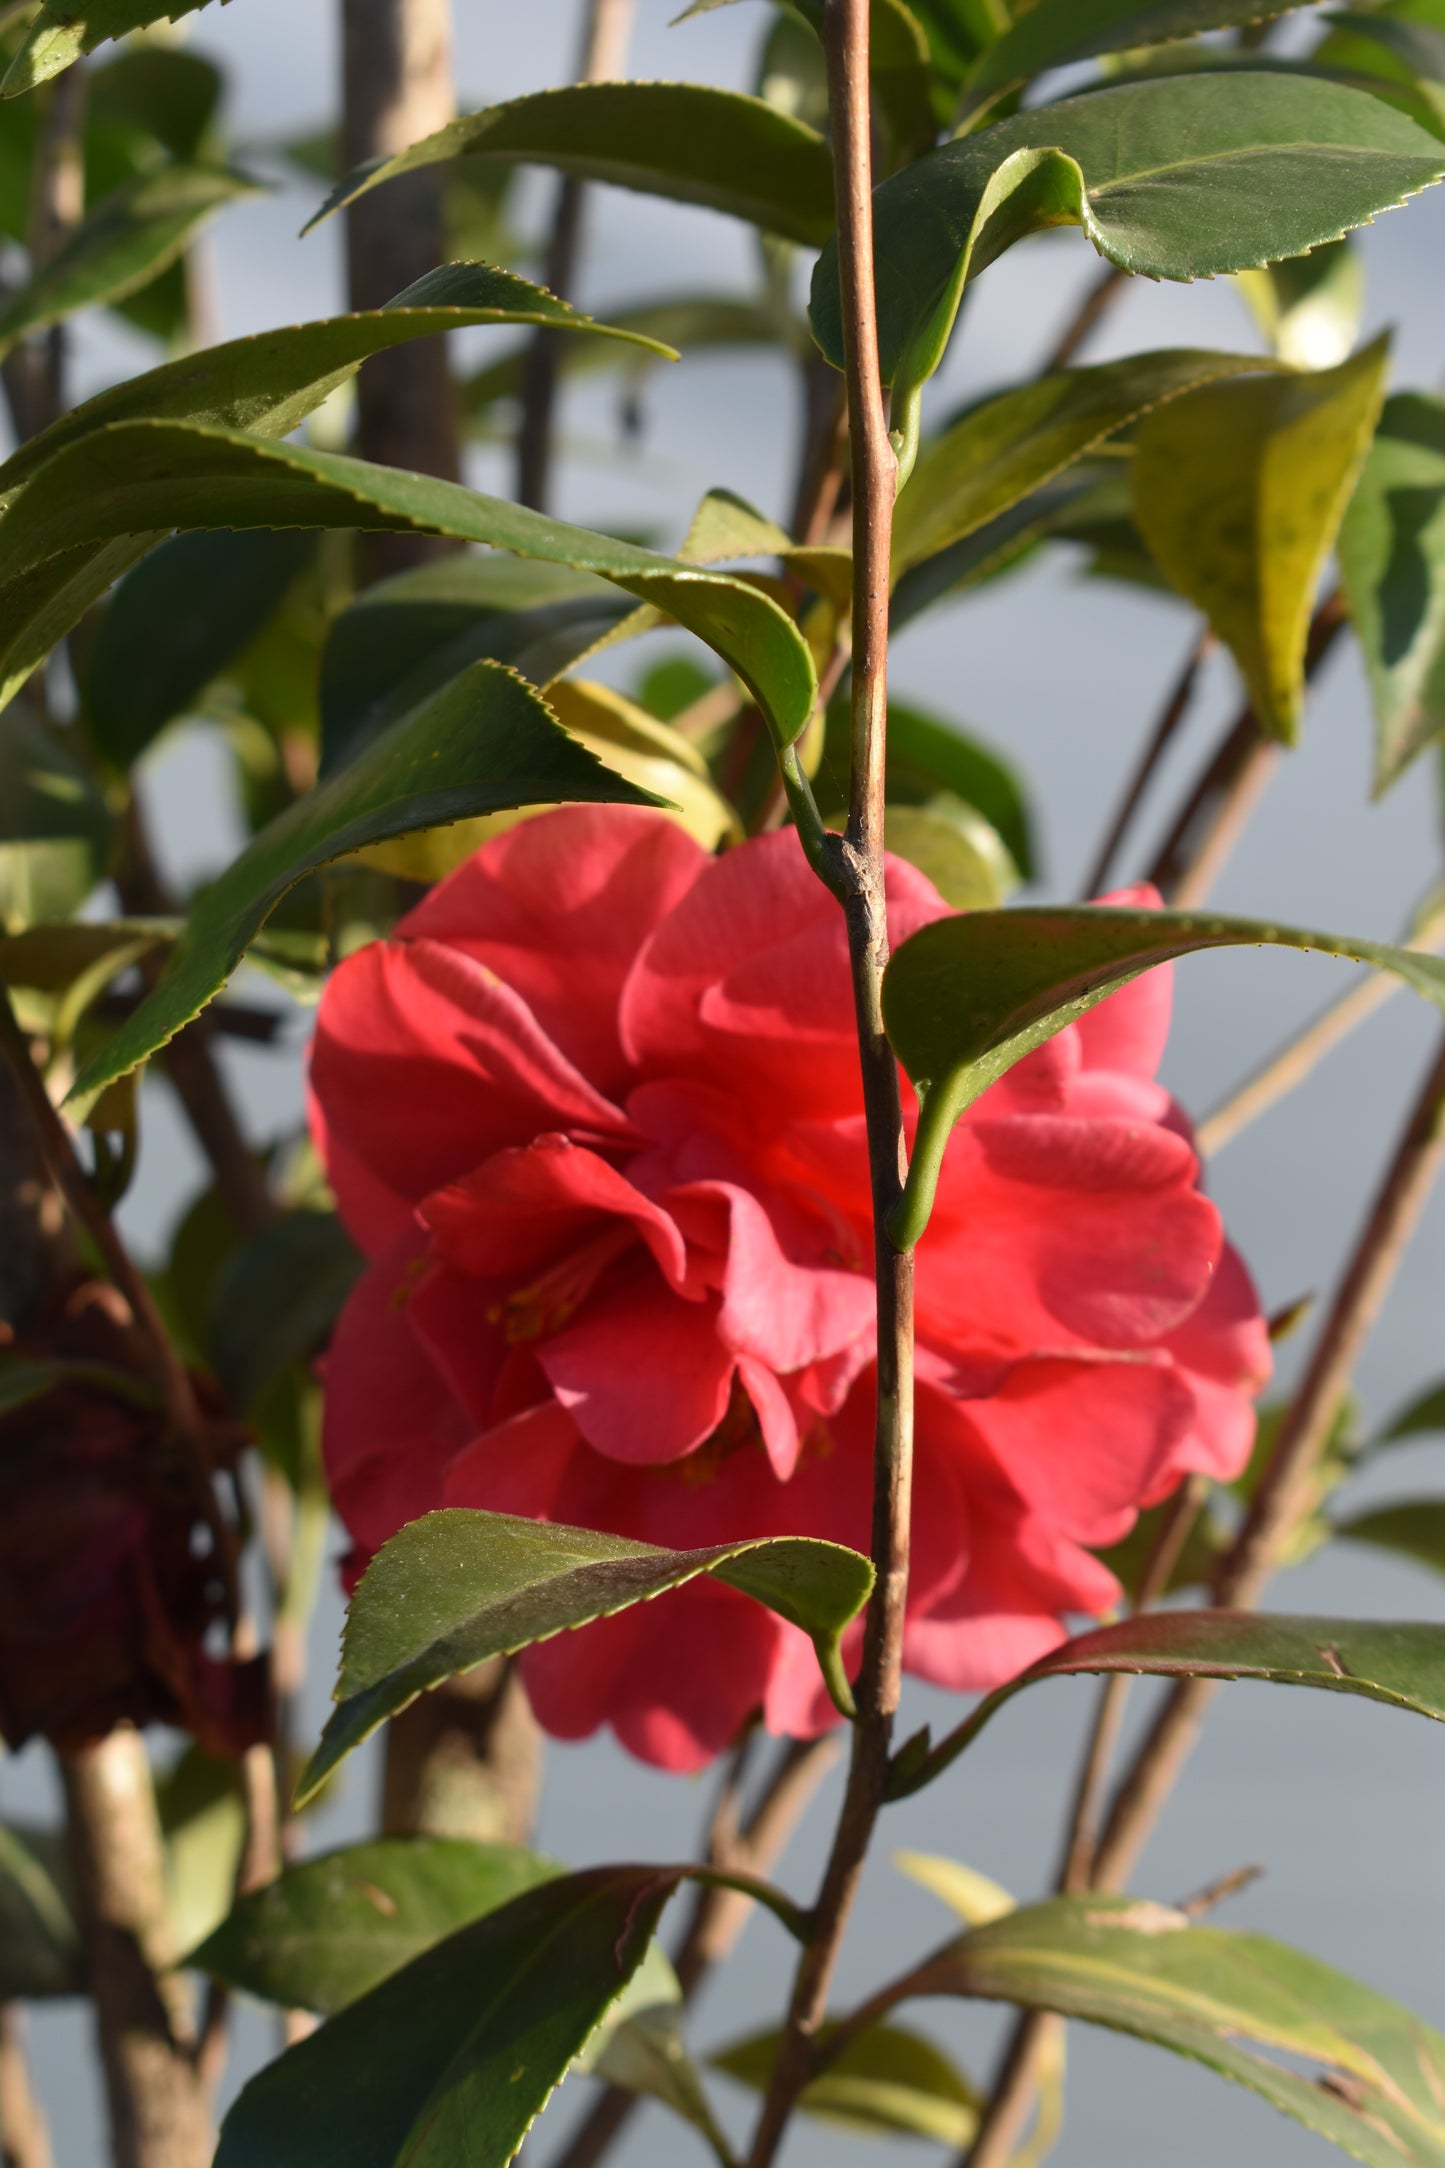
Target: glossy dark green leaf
[
  {"x": 1057, "y": 33},
  {"x": 333, "y": 1928},
  {"x": 1374, "y": 2077},
  {"x": 132, "y": 477},
  {"x": 1177, "y": 178},
  {"x": 270, "y": 382},
  {"x": 886, "y": 2082},
  {"x": 170, "y": 94},
  {"x": 276, "y": 1299},
  {"x": 450, "y": 2059},
  {"x": 1415, "y": 1528},
  {"x": 1392, "y": 568},
  {"x": 1239, "y": 490},
  {"x": 1003, "y": 450},
  {"x": 692, "y": 324},
  {"x": 685, "y": 141},
  {"x": 175, "y": 622},
  {"x": 402, "y": 638},
  {"x": 120, "y": 245},
  {"x": 40, "y": 1950},
  {"x": 458, "y": 1587},
  {"x": 1402, "y": 1665},
  {"x": 965, "y": 998},
  {"x": 64, "y": 29},
  {"x": 486, "y": 742}
]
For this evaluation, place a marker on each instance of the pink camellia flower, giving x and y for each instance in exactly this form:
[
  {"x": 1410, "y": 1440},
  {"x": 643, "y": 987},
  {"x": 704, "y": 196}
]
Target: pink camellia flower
[{"x": 593, "y": 1112}]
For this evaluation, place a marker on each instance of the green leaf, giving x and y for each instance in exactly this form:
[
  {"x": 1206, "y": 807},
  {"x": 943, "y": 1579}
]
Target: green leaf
[
  {"x": 1239, "y": 490},
  {"x": 691, "y": 324},
  {"x": 121, "y": 245},
  {"x": 40, "y": 1949},
  {"x": 328, "y": 1931},
  {"x": 64, "y": 29},
  {"x": 685, "y": 141},
  {"x": 1392, "y": 568},
  {"x": 965, "y": 998},
  {"x": 975, "y": 1897},
  {"x": 203, "y": 1819},
  {"x": 1415, "y": 1528},
  {"x": 1179, "y": 178},
  {"x": 1309, "y": 307},
  {"x": 955, "y": 849},
  {"x": 1401, "y": 1665},
  {"x": 886, "y": 2081},
  {"x": 640, "y": 2047},
  {"x": 927, "y": 758},
  {"x": 276, "y": 1298},
  {"x": 170, "y": 94},
  {"x": 485, "y": 742},
  {"x": 1419, "y": 1417},
  {"x": 137, "y": 476},
  {"x": 404, "y": 637},
  {"x": 452, "y": 2058},
  {"x": 633, "y": 743},
  {"x": 54, "y": 823},
  {"x": 1057, "y": 33},
  {"x": 458, "y": 1587},
  {"x": 1234, "y": 2002},
  {"x": 175, "y": 622},
  {"x": 1003, "y": 450}
]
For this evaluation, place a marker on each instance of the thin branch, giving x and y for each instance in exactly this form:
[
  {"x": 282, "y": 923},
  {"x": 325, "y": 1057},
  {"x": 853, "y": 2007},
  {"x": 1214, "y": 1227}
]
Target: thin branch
[
  {"x": 157, "y": 2105},
  {"x": 604, "y": 44},
  {"x": 1161, "y": 737},
  {"x": 24, "y": 2138},
  {"x": 1036, "y": 2032},
  {"x": 1103, "y": 291},
  {"x": 853, "y": 867},
  {"x": 1286, "y": 1494},
  {"x": 1209, "y": 822},
  {"x": 1295, "y": 1061}
]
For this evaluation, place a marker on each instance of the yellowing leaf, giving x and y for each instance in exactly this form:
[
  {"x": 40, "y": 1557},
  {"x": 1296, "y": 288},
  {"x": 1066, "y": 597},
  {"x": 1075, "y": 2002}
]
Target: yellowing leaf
[{"x": 1239, "y": 490}]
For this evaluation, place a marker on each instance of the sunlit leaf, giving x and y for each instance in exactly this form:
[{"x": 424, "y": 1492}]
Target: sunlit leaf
[
  {"x": 1392, "y": 568},
  {"x": 1232, "y": 2001},
  {"x": 458, "y": 1587},
  {"x": 888, "y": 2081},
  {"x": 120, "y": 245},
  {"x": 686, "y": 141},
  {"x": 975, "y": 1897},
  {"x": 965, "y": 998},
  {"x": 1239, "y": 490},
  {"x": 485, "y": 742},
  {"x": 1309, "y": 307},
  {"x": 203, "y": 1820},
  {"x": 451, "y": 2058},
  {"x": 64, "y": 29},
  {"x": 1181, "y": 178}
]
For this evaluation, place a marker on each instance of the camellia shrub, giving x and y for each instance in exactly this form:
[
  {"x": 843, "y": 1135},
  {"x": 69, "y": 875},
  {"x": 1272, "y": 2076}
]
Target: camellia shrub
[{"x": 738, "y": 1254}]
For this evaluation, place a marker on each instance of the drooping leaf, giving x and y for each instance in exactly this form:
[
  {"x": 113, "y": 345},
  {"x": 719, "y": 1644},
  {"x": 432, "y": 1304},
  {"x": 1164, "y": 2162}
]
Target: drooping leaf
[
  {"x": 175, "y": 622},
  {"x": 1235, "y": 2002},
  {"x": 889, "y": 2081},
  {"x": 685, "y": 141},
  {"x": 451, "y": 2058},
  {"x": 132, "y": 477},
  {"x": 1239, "y": 490},
  {"x": 276, "y": 1298},
  {"x": 1392, "y": 568},
  {"x": 1415, "y": 1528},
  {"x": 270, "y": 382},
  {"x": 975, "y": 1897},
  {"x": 1001, "y": 451},
  {"x": 328, "y": 1931},
  {"x": 485, "y": 742},
  {"x": 1180, "y": 178},
  {"x": 965, "y": 998},
  {"x": 1057, "y": 33},
  {"x": 120, "y": 245},
  {"x": 458, "y": 1587},
  {"x": 64, "y": 29},
  {"x": 40, "y": 1947},
  {"x": 404, "y": 637},
  {"x": 1309, "y": 307},
  {"x": 1402, "y": 1665}
]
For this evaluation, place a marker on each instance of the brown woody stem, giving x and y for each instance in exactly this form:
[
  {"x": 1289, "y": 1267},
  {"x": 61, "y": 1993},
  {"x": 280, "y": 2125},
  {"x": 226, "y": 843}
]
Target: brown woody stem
[
  {"x": 853, "y": 867},
  {"x": 1161, "y": 737},
  {"x": 1103, "y": 291},
  {"x": 604, "y": 42},
  {"x": 24, "y": 2139}
]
